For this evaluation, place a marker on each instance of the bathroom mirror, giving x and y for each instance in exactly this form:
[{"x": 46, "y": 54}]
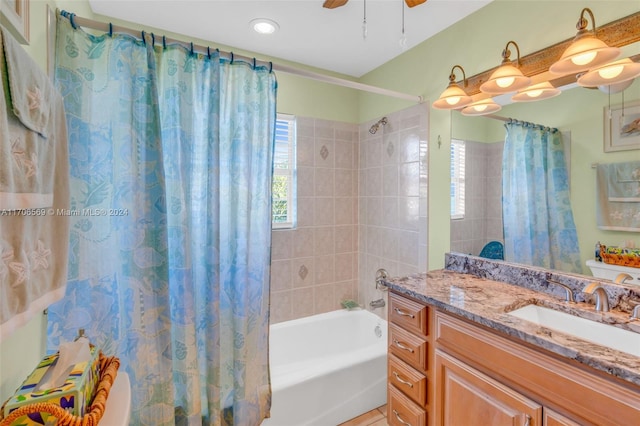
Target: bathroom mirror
[{"x": 579, "y": 112}]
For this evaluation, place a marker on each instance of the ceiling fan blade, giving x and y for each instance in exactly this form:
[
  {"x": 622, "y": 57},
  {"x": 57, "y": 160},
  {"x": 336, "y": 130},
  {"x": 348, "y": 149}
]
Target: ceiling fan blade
[
  {"x": 412, "y": 3},
  {"x": 332, "y": 4}
]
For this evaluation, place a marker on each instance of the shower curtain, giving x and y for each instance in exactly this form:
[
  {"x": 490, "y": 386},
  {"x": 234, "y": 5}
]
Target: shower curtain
[
  {"x": 538, "y": 221},
  {"x": 171, "y": 155}
]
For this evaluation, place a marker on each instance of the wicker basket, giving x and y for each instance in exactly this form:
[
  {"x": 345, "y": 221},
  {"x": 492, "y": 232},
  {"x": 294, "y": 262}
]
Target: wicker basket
[
  {"x": 108, "y": 372},
  {"x": 621, "y": 257}
]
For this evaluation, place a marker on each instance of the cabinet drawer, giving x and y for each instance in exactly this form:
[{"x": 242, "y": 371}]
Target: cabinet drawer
[
  {"x": 408, "y": 380},
  {"x": 402, "y": 412},
  {"x": 408, "y": 314},
  {"x": 408, "y": 347}
]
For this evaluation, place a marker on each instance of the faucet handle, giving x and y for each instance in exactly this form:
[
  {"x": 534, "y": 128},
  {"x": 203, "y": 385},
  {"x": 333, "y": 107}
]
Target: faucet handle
[{"x": 568, "y": 292}]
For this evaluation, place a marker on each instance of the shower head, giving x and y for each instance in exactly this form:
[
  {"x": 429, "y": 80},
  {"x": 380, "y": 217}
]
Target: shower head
[{"x": 376, "y": 126}]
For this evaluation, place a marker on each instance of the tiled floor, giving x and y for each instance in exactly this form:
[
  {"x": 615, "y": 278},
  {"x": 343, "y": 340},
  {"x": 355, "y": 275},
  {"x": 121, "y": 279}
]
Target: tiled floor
[{"x": 377, "y": 417}]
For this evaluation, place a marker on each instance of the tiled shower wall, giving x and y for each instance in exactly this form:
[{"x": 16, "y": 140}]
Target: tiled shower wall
[
  {"x": 362, "y": 205},
  {"x": 314, "y": 266},
  {"x": 482, "y": 222},
  {"x": 392, "y": 220}
]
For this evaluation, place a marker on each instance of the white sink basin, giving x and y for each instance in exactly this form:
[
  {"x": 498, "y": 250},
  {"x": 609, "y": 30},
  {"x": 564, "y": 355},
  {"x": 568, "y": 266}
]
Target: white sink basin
[{"x": 602, "y": 334}]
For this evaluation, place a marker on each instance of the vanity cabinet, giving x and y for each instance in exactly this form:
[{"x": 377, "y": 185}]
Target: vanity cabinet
[
  {"x": 457, "y": 372},
  {"x": 408, "y": 362}
]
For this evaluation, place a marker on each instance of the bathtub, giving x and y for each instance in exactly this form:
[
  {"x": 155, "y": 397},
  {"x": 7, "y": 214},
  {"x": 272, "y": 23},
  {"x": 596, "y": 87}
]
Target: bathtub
[{"x": 327, "y": 368}]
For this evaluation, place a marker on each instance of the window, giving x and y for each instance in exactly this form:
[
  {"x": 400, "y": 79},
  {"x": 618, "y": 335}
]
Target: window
[
  {"x": 457, "y": 179},
  {"x": 283, "y": 192}
]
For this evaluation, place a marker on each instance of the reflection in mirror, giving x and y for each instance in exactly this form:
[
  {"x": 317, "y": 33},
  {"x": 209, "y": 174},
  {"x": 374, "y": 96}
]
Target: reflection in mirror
[{"x": 581, "y": 114}]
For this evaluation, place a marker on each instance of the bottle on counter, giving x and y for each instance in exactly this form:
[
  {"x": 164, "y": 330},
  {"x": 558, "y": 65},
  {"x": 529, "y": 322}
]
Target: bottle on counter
[{"x": 598, "y": 256}]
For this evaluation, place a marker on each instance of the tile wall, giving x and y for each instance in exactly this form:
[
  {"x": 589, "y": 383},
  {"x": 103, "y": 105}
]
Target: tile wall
[
  {"x": 483, "y": 210},
  {"x": 392, "y": 217},
  {"x": 314, "y": 266},
  {"x": 362, "y": 205}
]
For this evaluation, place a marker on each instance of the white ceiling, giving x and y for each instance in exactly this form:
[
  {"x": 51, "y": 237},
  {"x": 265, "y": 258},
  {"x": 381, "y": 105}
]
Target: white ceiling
[{"x": 309, "y": 34}]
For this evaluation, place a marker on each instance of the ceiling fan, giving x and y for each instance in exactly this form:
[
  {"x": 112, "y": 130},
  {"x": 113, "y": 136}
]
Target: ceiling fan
[{"x": 332, "y": 4}]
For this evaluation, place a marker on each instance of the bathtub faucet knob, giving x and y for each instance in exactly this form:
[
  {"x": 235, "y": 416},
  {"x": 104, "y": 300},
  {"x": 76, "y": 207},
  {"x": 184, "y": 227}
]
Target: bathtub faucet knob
[{"x": 378, "y": 303}]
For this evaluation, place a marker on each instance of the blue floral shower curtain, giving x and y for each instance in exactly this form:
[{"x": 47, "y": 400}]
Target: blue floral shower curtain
[
  {"x": 171, "y": 223},
  {"x": 538, "y": 221}
]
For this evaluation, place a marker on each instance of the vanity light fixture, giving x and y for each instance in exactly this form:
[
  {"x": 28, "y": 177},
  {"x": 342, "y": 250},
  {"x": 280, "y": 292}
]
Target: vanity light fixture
[
  {"x": 454, "y": 96},
  {"x": 264, "y": 25},
  {"x": 586, "y": 51},
  {"x": 483, "y": 107},
  {"x": 536, "y": 92},
  {"x": 507, "y": 78},
  {"x": 610, "y": 74}
]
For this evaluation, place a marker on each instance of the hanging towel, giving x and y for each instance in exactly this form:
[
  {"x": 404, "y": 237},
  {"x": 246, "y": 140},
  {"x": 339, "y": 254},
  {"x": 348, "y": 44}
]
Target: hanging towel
[
  {"x": 26, "y": 162},
  {"x": 618, "y": 197},
  {"x": 34, "y": 189}
]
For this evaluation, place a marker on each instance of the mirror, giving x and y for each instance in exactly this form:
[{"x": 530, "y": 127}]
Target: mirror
[{"x": 578, "y": 112}]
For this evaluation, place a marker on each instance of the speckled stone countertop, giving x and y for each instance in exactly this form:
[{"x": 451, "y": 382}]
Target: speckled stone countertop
[{"x": 467, "y": 292}]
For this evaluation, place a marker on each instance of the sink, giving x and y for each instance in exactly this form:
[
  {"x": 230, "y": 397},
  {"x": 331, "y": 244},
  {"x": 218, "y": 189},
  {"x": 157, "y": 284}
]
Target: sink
[{"x": 596, "y": 332}]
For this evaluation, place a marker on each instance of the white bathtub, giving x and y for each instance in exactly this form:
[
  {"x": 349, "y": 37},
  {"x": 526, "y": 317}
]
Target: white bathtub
[{"x": 327, "y": 368}]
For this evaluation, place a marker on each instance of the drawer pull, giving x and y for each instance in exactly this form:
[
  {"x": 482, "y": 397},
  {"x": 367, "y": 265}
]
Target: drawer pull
[
  {"x": 400, "y": 418},
  {"x": 401, "y": 346},
  {"x": 404, "y": 382},
  {"x": 403, "y": 313}
]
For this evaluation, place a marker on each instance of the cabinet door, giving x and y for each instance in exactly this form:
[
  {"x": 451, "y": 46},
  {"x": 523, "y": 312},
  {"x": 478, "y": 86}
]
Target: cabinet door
[
  {"x": 465, "y": 396},
  {"x": 551, "y": 418}
]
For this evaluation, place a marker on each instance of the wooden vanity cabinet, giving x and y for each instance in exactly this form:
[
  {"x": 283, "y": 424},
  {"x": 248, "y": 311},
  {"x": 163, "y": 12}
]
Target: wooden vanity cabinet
[
  {"x": 468, "y": 374},
  {"x": 409, "y": 363}
]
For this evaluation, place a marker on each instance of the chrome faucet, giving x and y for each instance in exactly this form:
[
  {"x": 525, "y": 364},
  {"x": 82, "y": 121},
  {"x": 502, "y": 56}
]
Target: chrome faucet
[
  {"x": 635, "y": 314},
  {"x": 622, "y": 277},
  {"x": 602, "y": 300},
  {"x": 378, "y": 303},
  {"x": 568, "y": 297}
]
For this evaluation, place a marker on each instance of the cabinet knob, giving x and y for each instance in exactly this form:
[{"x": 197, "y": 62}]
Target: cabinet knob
[
  {"x": 404, "y": 382},
  {"x": 400, "y": 418},
  {"x": 403, "y": 313},
  {"x": 401, "y": 346}
]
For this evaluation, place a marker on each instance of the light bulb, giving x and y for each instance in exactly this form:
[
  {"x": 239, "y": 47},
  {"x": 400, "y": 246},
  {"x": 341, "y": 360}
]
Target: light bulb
[
  {"x": 534, "y": 93},
  {"x": 505, "y": 81},
  {"x": 364, "y": 29},
  {"x": 480, "y": 107},
  {"x": 584, "y": 58},
  {"x": 611, "y": 72},
  {"x": 453, "y": 100}
]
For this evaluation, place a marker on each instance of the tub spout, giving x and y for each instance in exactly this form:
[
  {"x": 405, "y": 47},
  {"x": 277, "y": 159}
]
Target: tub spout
[{"x": 378, "y": 303}]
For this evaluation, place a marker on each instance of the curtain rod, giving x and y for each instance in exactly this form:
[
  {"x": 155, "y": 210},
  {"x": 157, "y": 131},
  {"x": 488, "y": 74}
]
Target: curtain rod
[{"x": 110, "y": 28}]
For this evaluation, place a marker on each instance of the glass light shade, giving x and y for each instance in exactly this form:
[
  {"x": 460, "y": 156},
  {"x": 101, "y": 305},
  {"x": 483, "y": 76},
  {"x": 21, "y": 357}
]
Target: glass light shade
[
  {"x": 505, "y": 79},
  {"x": 536, "y": 92},
  {"x": 586, "y": 52},
  {"x": 611, "y": 73},
  {"x": 615, "y": 88},
  {"x": 483, "y": 107},
  {"x": 452, "y": 98}
]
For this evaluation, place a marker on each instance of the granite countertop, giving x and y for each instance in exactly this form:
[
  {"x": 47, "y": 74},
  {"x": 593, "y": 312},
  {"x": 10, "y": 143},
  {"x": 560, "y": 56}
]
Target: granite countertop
[{"x": 486, "y": 302}]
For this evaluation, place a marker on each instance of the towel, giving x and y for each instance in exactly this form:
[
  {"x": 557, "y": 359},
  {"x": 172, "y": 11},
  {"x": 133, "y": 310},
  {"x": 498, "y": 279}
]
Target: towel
[
  {"x": 26, "y": 158},
  {"x": 617, "y": 197},
  {"x": 34, "y": 189},
  {"x": 624, "y": 182}
]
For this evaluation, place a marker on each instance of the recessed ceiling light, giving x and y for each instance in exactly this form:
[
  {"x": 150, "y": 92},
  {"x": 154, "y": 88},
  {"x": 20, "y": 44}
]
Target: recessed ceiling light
[{"x": 264, "y": 25}]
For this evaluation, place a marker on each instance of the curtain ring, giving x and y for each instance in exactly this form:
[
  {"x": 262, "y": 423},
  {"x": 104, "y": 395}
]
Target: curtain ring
[
  {"x": 110, "y": 29},
  {"x": 143, "y": 39},
  {"x": 208, "y": 52},
  {"x": 73, "y": 23},
  {"x": 192, "y": 48},
  {"x": 164, "y": 42},
  {"x": 254, "y": 63},
  {"x": 153, "y": 40},
  {"x": 270, "y": 67},
  {"x": 231, "y": 58}
]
